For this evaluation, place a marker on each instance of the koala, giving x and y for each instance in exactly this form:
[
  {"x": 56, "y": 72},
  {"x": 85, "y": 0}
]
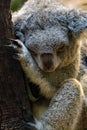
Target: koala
[{"x": 48, "y": 47}]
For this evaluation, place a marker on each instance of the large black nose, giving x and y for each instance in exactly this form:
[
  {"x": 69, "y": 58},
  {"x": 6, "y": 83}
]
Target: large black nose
[{"x": 47, "y": 61}]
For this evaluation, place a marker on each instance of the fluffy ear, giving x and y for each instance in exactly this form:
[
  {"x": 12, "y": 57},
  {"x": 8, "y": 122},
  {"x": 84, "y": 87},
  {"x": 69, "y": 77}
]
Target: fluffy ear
[{"x": 77, "y": 22}]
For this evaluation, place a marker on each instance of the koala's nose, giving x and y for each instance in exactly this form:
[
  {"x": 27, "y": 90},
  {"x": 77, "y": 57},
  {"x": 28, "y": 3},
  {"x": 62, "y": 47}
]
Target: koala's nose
[{"x": 47, "y": 61}]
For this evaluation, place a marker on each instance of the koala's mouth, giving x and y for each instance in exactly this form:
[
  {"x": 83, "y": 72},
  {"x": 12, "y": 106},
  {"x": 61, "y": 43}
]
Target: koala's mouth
[
  {"x": 50, "y": 70},
  {"x": 47, "y": 67},
  {"x": 46, "y": 70}
]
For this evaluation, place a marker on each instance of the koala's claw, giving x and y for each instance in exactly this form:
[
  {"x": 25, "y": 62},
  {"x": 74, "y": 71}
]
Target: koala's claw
[
  {"x": 17, "y": 42},
  {"x": 30, "y": 125},
  {"x": 19, "y": 49},
  {"x": 17, "y": 56}
]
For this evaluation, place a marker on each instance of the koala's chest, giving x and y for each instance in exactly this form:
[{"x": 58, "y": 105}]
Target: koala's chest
[
  {"x": 57, "y": 77},
  {"x": 54, "y": 80}
]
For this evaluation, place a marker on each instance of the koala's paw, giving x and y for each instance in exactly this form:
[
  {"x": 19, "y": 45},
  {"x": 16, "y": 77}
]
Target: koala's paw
[{"x": 21, "y": 51}]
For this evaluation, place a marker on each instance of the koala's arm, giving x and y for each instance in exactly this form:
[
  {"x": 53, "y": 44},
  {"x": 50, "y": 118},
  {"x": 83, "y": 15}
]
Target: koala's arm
[
  {"x": 64, "y": 109},
  {"x": 31, "y": 70}
]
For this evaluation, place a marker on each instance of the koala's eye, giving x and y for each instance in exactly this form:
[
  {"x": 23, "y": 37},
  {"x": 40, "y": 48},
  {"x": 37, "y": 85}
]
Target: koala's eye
[
  {"x": 60, "y": 49},
  {"x": 33, "y": 53}
]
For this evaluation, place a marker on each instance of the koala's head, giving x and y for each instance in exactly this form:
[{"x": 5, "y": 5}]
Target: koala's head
[
  {"x": 48, "y": 46},
  {"x": 52, "y": 37}
]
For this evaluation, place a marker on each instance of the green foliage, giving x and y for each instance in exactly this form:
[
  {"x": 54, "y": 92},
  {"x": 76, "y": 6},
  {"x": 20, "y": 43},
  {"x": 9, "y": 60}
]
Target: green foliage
[{"x": 16, "y": 4}]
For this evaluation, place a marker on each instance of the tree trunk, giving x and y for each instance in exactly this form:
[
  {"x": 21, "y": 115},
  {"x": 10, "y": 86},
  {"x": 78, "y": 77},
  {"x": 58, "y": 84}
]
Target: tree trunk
[{"x": 14, "y": 102}]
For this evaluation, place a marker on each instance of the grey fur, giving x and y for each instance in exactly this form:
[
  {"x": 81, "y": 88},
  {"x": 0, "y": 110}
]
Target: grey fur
[{"x": 44, "y": 26}]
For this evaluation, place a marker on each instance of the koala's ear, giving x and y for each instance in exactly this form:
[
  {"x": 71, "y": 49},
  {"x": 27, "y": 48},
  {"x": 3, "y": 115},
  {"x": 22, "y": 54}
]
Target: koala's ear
[{"x": 77, "y": 22}]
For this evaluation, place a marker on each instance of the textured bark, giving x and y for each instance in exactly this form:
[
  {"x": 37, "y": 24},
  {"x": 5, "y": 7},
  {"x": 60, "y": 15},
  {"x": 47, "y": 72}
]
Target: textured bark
[{"x": 14, "y": 102}]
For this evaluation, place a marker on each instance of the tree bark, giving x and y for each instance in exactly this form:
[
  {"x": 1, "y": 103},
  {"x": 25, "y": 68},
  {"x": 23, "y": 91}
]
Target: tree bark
[{"x": 14, "y": 102}]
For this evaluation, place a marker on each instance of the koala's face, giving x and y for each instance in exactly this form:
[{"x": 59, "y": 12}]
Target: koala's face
[{"x": 49, "y": 47}]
